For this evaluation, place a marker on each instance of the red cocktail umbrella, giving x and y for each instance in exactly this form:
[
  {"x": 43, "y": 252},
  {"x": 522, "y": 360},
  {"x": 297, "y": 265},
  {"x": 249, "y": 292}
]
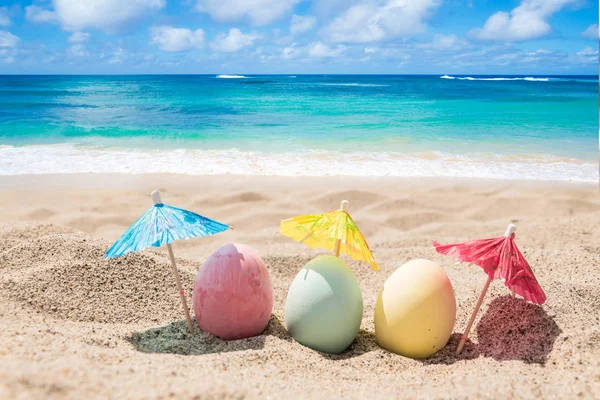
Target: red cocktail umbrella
[{"x": 500, "y": 259}]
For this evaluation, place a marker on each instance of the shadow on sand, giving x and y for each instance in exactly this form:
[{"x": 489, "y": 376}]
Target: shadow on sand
[
  {"x": 510, "y": 329},
  {"x": 447, "y": 355},
  {"x": 513, "y": 329},
  {"x": 365, "y": 342},
  {"x": 175, "y": 339}
]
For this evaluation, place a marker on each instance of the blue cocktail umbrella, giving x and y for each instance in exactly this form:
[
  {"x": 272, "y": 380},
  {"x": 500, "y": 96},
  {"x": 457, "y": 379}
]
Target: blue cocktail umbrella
[{"x": 163, "y": 224}]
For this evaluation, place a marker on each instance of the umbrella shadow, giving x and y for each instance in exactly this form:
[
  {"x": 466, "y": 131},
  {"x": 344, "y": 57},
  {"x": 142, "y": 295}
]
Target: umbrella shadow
[
  {"x": 174, "y": 338},
  {"x": 364, "y": 342},
  {"x": 513, "y": 329},
  {"x": 510, "y": 329}
]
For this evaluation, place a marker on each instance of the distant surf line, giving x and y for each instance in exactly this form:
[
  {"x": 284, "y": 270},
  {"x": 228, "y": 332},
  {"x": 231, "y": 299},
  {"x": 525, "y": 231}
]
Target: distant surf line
[
  {"x": 528, "y": 78},
  {"x": 224, "y": 76},
  {"x": 470, "y": 78}
]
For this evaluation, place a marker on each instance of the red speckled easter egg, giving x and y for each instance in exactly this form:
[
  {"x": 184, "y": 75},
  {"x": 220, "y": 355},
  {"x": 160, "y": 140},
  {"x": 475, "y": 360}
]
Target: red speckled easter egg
[{"x": 233, "y": 294}]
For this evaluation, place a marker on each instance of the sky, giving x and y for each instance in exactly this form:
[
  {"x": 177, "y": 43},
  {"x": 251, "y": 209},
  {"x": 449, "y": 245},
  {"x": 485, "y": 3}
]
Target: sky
[{"x": 534, "y": 37}]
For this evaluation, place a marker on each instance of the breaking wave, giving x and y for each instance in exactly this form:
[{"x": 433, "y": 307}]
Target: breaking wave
[
  {"x": 231, "y": 76},
  {"x": 50, "y": 159},
  {"x": 528, "y": 78},
  {"x": 470, "y": 78}
]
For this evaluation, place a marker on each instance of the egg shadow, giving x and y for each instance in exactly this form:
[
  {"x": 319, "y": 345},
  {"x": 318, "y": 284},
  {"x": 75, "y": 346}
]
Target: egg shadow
[
  {"x": 513, "y": 329},
  {"x": 364, "y": 342},
  {"x": 175, "y": 338},
  {"x": 448, "y": 356}
]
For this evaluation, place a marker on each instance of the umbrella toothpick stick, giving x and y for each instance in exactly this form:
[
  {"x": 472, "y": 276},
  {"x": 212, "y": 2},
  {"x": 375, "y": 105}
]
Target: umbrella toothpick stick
[
  {"x": 180, "y": 288},
  {"x": 157, "y": 200},
  {"x": 509, "y": 231},
  {"x": 338, "y": 242},
  {"x": 465, "y": 335}
]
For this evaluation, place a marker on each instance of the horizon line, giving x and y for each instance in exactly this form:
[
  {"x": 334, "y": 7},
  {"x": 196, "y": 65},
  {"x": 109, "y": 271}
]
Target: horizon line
[{"x": 288, "y": 74}]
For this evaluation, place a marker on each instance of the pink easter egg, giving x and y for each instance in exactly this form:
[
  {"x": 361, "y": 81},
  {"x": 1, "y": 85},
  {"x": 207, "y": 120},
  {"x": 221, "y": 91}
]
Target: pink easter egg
[{"x": 233, "y": 294}]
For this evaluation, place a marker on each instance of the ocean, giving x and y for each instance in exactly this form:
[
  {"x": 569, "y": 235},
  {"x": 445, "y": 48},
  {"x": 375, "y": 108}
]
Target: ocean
[{"x": 507, "y": 127}]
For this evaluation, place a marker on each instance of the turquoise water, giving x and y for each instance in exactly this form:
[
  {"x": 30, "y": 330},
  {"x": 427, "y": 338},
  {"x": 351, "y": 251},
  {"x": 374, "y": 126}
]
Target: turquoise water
[{"x": 369, "y": 125}]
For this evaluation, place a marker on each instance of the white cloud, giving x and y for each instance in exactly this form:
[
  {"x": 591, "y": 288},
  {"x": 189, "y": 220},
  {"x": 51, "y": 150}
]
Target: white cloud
[
  {"x": 291, "y": 52},
  {"x": 325, "y": 9},
  {"x": 375, "y": 20},
  {"x": 7, "y": 39},
  {"x": 38, "y": 14},
  {"x": 586, "y": 56},
  {"x": 313, "y": 50},
  {"x": 535, "y": 56},
  {"x": 503, "y": 59},
  {"x": 232, "y": 42},
  {"x": 591, "y": 32},
  {"x": 77, "y": 50},
  {"x": 445, "y": 42},
  {"x": 588, "y": 51},
  {"x": 259, "y": 12},
  {"x": 320, "y": 50},
  {"x": 118, "y": 56},
  {"x": 107, "y": 15},
  {"x": 302, "y": 23},
  {"x": 49, "y": 59},
  {"x": 508, "y": 55},
  {"x": 283, "y": 40},
  {"x": 392, "y": 52},
  {"x": 527, "y": 21},
  {"x": 169, "y": 38},
  {"x": 259, "y": 53},
  {"x": 79, "y": 37},
  {"x": 7, "y": 56},
  {"x": 4, "y": 17},
  {"x": 491, "y": 55}
]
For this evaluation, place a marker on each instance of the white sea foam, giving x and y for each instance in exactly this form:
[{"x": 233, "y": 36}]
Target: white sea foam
[
  {"x": 231, "y": 76},
  {"x": 470, "y": 78},
  {"x": 51, "y": 159}
]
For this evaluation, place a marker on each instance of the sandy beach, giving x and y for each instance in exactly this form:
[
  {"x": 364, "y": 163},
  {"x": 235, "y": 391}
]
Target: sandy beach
[{"x": 75, "y": 325}]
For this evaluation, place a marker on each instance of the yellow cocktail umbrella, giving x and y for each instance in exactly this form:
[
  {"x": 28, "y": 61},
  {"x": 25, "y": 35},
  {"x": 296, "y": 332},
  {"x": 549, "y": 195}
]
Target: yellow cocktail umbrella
[{"x": 335, "y": 231}]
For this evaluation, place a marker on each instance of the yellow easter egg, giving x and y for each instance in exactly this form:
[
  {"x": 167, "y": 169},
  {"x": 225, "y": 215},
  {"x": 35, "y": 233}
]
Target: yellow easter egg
[{"x": 415, "y": 310}]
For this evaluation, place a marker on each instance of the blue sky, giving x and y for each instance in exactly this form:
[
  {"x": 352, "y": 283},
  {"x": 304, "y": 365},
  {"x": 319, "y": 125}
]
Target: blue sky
[{"x": 295, "y": 36}]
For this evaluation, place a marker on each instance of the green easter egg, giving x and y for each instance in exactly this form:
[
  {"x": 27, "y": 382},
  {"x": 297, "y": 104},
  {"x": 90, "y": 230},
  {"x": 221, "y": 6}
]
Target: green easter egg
[{"x": 324, "y": 305}]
